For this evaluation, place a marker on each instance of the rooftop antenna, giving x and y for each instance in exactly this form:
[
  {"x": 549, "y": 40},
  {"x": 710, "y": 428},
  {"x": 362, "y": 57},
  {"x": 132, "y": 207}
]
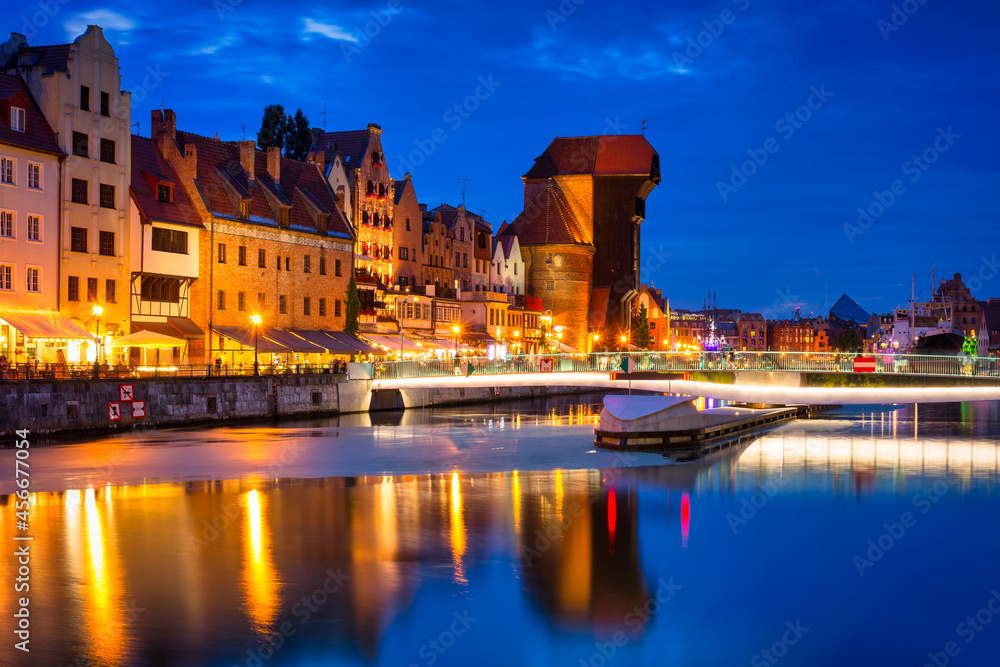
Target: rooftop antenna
[
  {"x": 483, "y": 211},
  {"x": 136, "y": 126},
  {"x": 643, "y": 126},
  {"x": 324, "y": 116},
  {"x": 463, "y": 188},
  {"x": 244, "y": 131}
]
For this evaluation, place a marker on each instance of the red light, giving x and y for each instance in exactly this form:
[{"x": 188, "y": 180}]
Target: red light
[
  {"x": 612, "y": 516},
  {"x": 685, "y": 519}
]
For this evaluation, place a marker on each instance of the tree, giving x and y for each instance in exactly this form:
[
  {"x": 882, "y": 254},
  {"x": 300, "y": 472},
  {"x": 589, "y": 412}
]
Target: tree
[
  {"x": 847, "y": 341},
  {"x": 970, "y": 346},
  {"x": 353, "y": 311},
  {"x": 298, "y": 136},
  {"x": 640, "y": 330},
  {"x": 273, "y": 127}
]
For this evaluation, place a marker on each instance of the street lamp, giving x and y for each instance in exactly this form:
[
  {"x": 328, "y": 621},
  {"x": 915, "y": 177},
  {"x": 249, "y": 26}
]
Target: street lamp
[
  {"x": 97, "y": 312},
  {"x": 256, "y": 323},
  {"x": 455, "y": 328},
  {"x": 399, "y": 314}
]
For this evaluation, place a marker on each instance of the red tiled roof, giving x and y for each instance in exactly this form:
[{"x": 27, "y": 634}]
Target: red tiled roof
[
  {"x": 37, "y": 134},
  {"x": 548, "y": 219},
  {"x": 148, "y": 168},
  {"x": 219, "y": 161},
  {"x": 397, "y": 189},
  {"x": 350, "y": 145},
  {"x": 606, "y": 155},
  {"x": 53, "y": 58}
]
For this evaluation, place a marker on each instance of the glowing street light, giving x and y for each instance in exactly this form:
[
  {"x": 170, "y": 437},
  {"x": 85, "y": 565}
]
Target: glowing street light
[
  {"x": 256, "y": 324},
  {"x": 455, "y": 328},
  {"x": 97, "y": 311}
]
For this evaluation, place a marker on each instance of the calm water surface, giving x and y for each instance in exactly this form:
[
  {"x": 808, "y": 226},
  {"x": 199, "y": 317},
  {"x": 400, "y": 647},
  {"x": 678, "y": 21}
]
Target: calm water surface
[{"x": 499, "y": 536}]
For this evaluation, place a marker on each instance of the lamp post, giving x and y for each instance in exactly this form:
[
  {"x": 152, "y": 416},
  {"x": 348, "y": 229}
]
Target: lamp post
[
  {"x": 256, "y": 324},
  {"x": 97, "y": 312},
  {"x": 455, "y": 328},
  {"x": 402, "y": 309}
]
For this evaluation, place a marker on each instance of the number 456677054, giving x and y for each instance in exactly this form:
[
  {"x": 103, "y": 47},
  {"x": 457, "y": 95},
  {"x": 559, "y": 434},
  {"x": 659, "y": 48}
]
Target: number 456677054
[{"x": 21, "y": 462}]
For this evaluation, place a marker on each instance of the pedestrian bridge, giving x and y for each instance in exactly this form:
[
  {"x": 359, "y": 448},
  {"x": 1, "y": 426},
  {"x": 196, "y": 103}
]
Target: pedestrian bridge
[{"x": 767, "y": 378}]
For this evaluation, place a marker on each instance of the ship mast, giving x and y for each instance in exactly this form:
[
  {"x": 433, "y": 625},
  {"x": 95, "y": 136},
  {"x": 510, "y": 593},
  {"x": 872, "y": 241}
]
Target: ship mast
[{"x": 913, "y": 278}]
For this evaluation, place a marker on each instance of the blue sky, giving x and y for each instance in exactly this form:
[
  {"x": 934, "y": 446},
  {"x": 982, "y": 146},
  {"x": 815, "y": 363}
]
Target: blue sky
[{"x": 868, "y": 88}]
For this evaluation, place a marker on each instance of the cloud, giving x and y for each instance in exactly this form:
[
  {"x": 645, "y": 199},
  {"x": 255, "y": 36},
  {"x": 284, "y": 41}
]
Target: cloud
[
  {"x": 107, "y": 19},
  {"x": 329, "y": 30}
]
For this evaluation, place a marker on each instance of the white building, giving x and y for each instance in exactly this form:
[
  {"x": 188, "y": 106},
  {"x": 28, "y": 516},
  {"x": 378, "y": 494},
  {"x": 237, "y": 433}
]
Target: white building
[{"x": 507, "y": 275}]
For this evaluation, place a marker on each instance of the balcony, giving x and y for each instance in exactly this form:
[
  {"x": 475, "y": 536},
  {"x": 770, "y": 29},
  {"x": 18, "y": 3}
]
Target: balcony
[{"x": 488, "y": 297}]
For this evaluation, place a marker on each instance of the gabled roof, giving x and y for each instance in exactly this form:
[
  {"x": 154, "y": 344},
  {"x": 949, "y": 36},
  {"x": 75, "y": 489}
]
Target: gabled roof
[
  {"x": 53, "y": 58},
  {"x": 37, "y": 134},
  {"x": 548, "y": 219},
  {"x": 397, "y": 188},
  {"x": 605, "y": 155},
  {"x": 848, "y": 310},
  {"x": 148, "y": 169},
  {"x": 219, "y": 168},
  {"x": 351, "y": 145}
]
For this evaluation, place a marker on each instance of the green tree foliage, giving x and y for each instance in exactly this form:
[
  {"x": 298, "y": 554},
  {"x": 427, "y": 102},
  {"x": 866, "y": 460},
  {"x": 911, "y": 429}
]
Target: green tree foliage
[
  {"x": 298, "y": 136},
  {"x": 847, "y": 341},
  {"x": 272, "y": 127},
  {"x": 640, "y": 329},
  {"x": 970, "y": 346},
  {"x": 353, "y": 311}
]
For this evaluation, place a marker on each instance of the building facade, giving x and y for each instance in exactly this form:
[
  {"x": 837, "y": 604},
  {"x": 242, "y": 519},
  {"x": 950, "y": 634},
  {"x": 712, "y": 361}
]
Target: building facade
[
  {"x": 967, "y": 313},
  {"x": 78, "y": 88},
  {"x": 407, "y": 234}
]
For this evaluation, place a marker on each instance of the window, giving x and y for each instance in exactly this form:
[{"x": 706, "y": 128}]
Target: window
[
  {"x": 222, "y": 300},
  {"x": 78, "y": 239},
  {"x": 108, "y": 151},
  {"x": 322, "y": 266},
  {"x": 164, "y": 193},
  {"x": 322, "y": 307},
  {"x": 515, "y": 269},
  {"x": 158, "y": 288},
  {"x": 34, "y": 176},
  {"x": 107, "y": 196},
  {"x": 243, "y": 257},
  {"x": 6, "y": 277},
  {"x": 109, "y": 291},
  {"x": 222, "y": 253},
  {"x": 34, "y": 228},
  {"x": 107, "y": 244},
  {"x": 404, "y": 253},
  {"x": 84, "y": 98},
  {"x": 170, "y": 240},
  {"x": 550, "y": 284},
  {"x": 105, "y": 104},
  {"x": 32, "y": 284},
  {"x": 7, "y": 224},
  {"x": 407, "y": 224},
  {"x": 17, "y": 119},
  {"x": 288, "y": 264},
  {"x": 80, "y": 141},
  {"x": 413, "y": 252},
  {"x": 458, "y": 259},
  {"x": 306, "y": 260},
  {"x": 6, "y": 170},
  {"x": 336, "y": 308},
  {"x": 282, "y": 304},
  {"x": 73, "y": 289},
  {"x": 465, "y": 260},
  {"x": 279, "y": 262},
  {"x": 336, "y": 267},
  {"x": 80, "y": 188},
  {"x": 305, "y": 305},
  {"x": 261, "y": 258},
  {"x": 260, "y": 301},
  {"x": 241, "y": 301},
  {"x": 548, "y": 258},
  {"x": 91, "y": 289},
  {"x": 461, "y": 233}
]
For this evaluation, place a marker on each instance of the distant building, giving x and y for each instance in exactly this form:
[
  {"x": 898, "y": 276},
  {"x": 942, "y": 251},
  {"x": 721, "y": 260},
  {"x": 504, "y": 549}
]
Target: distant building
[
  {"x": 407, "y": 235},
  {"x": 508, "y": 265},
  {"x": 584, "y": 200},
  {"x": 847, "y": 312},
  {"x": 437, "y": 254},
  {"x": 967, "y": 314},
  {"x": 799, "y": 335},
  {"x": 752, "y": 332},
  {"x": 460, "y": 224},
  {"x": 658, "y": 316}
]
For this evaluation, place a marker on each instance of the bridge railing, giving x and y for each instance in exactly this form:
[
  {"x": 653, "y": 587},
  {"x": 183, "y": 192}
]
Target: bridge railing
[{"x": 831, "y": 362}]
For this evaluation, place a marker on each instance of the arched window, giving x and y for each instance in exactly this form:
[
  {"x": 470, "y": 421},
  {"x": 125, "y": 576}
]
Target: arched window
[
  {"x": 376, "y": 219},
  {"x": 365, "y": 218},
  {"x": 370, "y": 188}
]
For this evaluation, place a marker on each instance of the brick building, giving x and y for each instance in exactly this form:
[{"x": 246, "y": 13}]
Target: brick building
[
  {"x": 967, "y": 313},
  {"x": 407, "y": 234},
  {"x": 274, "y": 244},
  {"x": 460, "y": 224},
  {"x": 752, "y": 332},
  {"x": 437, "y": 251},
  {"x": 584, "y": 200}
]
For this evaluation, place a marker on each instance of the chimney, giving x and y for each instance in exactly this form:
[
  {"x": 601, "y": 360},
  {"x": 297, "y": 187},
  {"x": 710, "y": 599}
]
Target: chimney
[
  {"x": 274, "y": 163},
  {"x": 247, "y": 158},
  {"x": 188, "y": 168},
  {"x": 372, "y": 127},
  {"x": 164, "y": 124},
  {"x": 316, "y": 158},
  {"x": 407, "y": 176}
]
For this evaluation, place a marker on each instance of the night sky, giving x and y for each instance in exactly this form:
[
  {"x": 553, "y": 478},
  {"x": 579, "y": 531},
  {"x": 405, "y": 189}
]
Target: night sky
[{"x": 867, "y": 90}]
